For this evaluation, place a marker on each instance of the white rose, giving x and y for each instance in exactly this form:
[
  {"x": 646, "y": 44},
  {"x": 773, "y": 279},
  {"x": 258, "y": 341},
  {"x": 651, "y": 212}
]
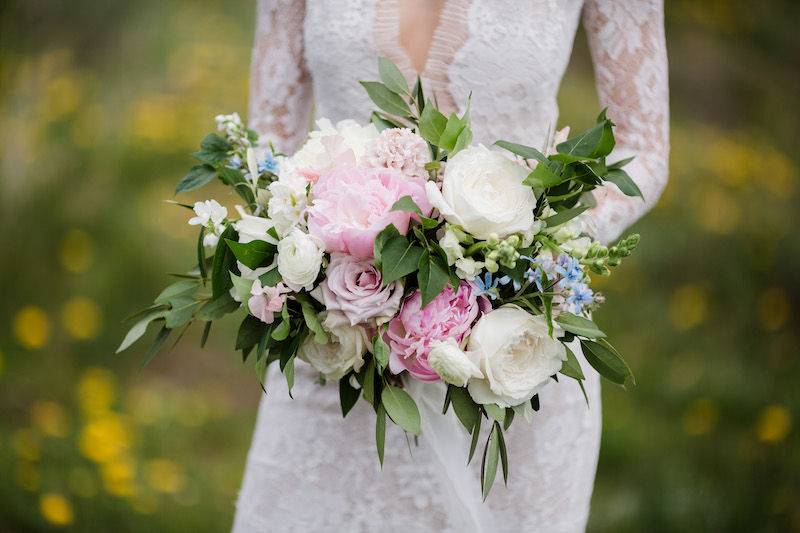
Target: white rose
[
  {"x": 344, "y": 350},
  {"x": 454, "y": 366},
  {"x": 482, "y": 191},
  {"x": 299, "y": 259},
  {"x": 517, "y": 356},
  {"x": 252, "y": 228}
]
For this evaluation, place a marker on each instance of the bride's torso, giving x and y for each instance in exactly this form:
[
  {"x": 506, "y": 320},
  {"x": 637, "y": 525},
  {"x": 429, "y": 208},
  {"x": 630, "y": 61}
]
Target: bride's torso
[{"x": 510, "y": 55}]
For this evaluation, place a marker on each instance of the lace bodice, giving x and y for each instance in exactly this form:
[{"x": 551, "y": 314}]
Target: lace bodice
[
  {"x": 310, "y": 471},
  {"x": 511, "y": 55}
]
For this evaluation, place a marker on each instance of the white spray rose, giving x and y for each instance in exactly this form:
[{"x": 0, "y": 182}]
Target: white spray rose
[
  {"x": 452, "y": 364},
  {"x": 299, "y": 259},
  {"x": 517, "y": 356},
  {"x": 482, "y": 191},
  {"x": 344, "y": 350}
]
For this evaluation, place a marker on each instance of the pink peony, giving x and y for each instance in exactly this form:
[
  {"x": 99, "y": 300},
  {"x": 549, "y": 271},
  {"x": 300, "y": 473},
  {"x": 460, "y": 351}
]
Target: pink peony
[
  {"x": 266, "y": 301},
  {"x": 402, "y": 149},
  {"x": 352, "y": 205},
  {"x": 410, "y": 335},
  {"x": 353, "y": 286}
]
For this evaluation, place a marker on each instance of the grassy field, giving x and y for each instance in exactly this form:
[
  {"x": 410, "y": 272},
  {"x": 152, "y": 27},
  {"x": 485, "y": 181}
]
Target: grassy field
[{"x": 100, "y": 104}]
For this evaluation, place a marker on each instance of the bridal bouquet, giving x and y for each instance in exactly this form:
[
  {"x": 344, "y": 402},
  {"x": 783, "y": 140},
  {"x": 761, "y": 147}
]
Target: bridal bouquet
[{"x": 399, "y": 250}]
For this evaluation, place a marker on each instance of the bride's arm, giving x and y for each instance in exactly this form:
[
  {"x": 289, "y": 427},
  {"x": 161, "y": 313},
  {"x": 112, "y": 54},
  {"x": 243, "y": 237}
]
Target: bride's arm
[
  {"x": 280, "y": 86},
  {"x": 626, "y": 39}
]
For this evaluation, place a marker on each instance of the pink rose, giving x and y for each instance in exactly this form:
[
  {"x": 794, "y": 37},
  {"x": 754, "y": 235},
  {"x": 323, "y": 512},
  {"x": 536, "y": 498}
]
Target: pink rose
[
  {"x": 352, "y": 205},
  {"x": 266, "y": 301},
  {"x": 353, "y": 286},
  {"x": 410, "y": 335}
]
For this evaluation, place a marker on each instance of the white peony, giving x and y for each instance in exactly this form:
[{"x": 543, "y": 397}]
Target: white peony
[
  {"x": 452, "y": 364},
  {"x": 252, "y": 228},
  {"x": 344, "y": 350},
  {"x": 329, "y": 144},
  {"x": 288, "y": 200},
  {"x": 517, "y": 356},
  {"x": 482, "y": 191},
  {"x": 300, "y": 259}
]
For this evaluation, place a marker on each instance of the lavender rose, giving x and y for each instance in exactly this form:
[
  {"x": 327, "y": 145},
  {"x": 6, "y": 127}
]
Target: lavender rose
[{"x": 353, "y": 286}]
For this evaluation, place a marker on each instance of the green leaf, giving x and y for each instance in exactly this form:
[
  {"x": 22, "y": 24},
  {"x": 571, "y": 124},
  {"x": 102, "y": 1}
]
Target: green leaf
[
  {"x": 465, "y": 407},
  {"x": 495, "y": 411},
  {"x": 241, "y": 287},
  {"x": 391, "y": 76},
  {"x": 386, "y": 234},
  {"x": 526, "y": 152},
  {"x": 139, "y": 328},
  {"x": 406, "y": 204},
  {"x": 401, "y": 408},
  {"x": 621, "y": 163},
  {"x": 270, "y": 278},
  {"x": 385, "y": 99},
  {"x": 281, "y": 331},
  {"x": 250, "y": 332},
  {"x": 380, "y": 350},
  {"x": 252, "y": 254},
  {"x": 595, "y": 142},
  {"x": 159, "y": 341},
  {"x": 542, "y": 177},
  {"x": 491, "y": 454},
  {"x": 201, "y": 254},
  {"x": 382, "y": 123},
  {"x": 368, "y": 384},
  {"x": 399, "y": 258},
  {"x": 348, "y": 396},
  {"x": 463, "y": 141},
  {"x": 608, "y": 363},
  {"x": 452, "y": 130},
  {"x": 206, "y": 331},
  {"x": 180, "y": 313},
  {"x": 380, "y": 431},
  {"x": 476, "y": 433},
  {"x": 179, "y": 290},
  {"x": 622, "y": 179},
  {"x": 501, "y": 441},
  {"x": 224, "y": 262},
  {"x": 197, "y": 176},
  {"x": 571, "y": 367},
  {"x": 214, "y": 149},
  {"x": 419, "y": 95},
  {"x": 579, "y": 325},
  {"x": 510, "y": 413},
  {"x": 563, "y": 216},
  {"x": 288, "y": 373},
  {"x": 432, "y": 277},
  {"x": 218, "y": 307},
  {"x": 432, "y": 124},
  {"x": 311, "y": 318}
]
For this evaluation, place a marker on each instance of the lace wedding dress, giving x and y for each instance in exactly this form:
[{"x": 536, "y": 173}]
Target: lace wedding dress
[{"x": 310, "y": 470}]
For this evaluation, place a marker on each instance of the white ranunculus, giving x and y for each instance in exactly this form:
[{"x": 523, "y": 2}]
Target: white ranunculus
[
  {"x": 329, "y": 143},
  {"x": 299, "y": 259},
  {"x": 517, "y": 356},
  {"x": 252, "y": 228},
  {"x": 452, "y": 364},
  {"x": 344, "y": 350},
  {"x": 482, "y": 192}
]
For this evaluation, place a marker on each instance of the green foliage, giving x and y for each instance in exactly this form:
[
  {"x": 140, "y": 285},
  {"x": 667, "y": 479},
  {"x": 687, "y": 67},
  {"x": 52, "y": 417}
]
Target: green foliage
[
  {"x": 401, "y": 408},
  {"x": 252, "y": 254}
]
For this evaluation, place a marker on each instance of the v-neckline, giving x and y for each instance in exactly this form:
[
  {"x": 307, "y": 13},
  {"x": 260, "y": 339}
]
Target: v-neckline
[{"x": 434, "y": 45}]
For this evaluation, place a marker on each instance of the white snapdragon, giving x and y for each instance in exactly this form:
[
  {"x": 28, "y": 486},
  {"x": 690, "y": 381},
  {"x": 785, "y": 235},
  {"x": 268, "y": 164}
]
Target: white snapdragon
[
  {"x": 453, "y": 365},
  {"x": 210, "y": 215}
]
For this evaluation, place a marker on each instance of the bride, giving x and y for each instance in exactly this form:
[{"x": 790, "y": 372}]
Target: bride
[{"x": 310, "y": 470}]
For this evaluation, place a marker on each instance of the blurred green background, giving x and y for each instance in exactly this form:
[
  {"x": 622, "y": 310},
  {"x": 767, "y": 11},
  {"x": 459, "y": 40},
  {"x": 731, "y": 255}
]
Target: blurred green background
[{"x": 102, "y": 101}]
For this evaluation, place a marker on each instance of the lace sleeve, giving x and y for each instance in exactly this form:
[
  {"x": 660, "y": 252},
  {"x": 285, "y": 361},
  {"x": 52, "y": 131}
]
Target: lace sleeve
[
  {"x": 280, "y": 86},
  {"x": 627, "y": 43}
]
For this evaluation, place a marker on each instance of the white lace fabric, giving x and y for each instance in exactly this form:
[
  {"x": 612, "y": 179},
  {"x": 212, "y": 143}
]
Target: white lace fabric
[{"x": 309, "y": 470}]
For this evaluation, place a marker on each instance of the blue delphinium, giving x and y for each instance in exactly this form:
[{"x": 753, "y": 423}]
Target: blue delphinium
[
  {"x": 580, "y": 295},
  {"x": 487, "y": 286},
  {"x": 235, "y": 162},
  {"x": 268, "y": 164}
]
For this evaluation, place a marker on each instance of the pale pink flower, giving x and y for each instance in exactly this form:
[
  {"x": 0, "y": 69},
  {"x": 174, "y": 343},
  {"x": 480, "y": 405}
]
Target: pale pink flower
[
  {"x": 353, "y": 286},
  {"x": 266, "y": 301},
  {"x": 411, "y": 334},
  {"x": 401, "y": 149},
  {"x": 352, "y": 205}
]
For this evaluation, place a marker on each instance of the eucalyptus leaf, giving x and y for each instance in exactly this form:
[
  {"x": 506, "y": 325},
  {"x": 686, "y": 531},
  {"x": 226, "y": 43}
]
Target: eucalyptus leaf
[
  {"x": 380, "y": 431},
  {"x": 401, "y": 408},
  {"x": 391, "y": 76},
  {"x": 218, "y": 307},
  {"x": 139, "y": 329},
  {"x": 571, "y": 367},
  {"x": 564, "y": 216},
  {"x": 495, "y": 412},
  {"x": 476, "y": 433},
  {"x": 348, "y": 396},
  {"x": 622, "y": 179},
  {"x": 491, "y": 455},
  {"x": 224, "y": 262},
  {"x": 385, "y": 99}
]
